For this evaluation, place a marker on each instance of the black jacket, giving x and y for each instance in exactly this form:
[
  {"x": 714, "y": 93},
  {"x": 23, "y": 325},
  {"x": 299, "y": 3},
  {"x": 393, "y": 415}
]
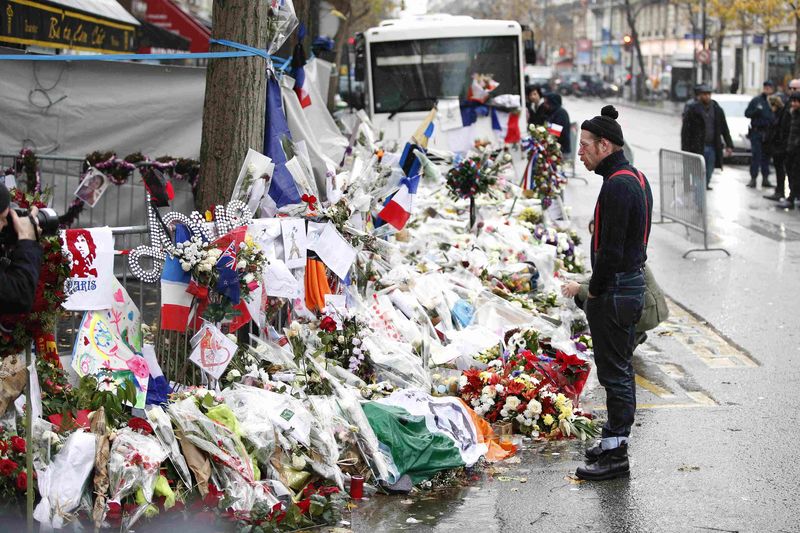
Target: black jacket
[
  {"x": 693, "y": 130},
  {"x": 621, "y": 223},
  {"x": 536, "y": 117},
  {"x": 778, "y": 134},
  {"x": 760, "y": 113},
  {"x": 556, "y": 114},
  {"x": 793, "y": 139},
  {"x": 19, "y": 277}
]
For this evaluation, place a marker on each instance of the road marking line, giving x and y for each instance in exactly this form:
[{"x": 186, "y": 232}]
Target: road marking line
[
  {"x": 659, "y": 391},
  {"x": 714, "y": 350},
  {"x": 700, "y": 397},
  {"x": 650, "y": 406}
]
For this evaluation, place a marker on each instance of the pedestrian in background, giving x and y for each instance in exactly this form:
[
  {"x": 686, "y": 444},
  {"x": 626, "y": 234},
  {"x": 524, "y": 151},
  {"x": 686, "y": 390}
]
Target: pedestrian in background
[
  {"x": 536, "y": 113},
  {"x": 615, "y": 299},
  {"x": 556, "y": 114},
  {"x": 775, "y": 144},
  {"x": 735, "y": 85},
  {"x": 761, "y": 118},
  {"x": 793, "y": 152},
  {"x": 703, "y": 130}
]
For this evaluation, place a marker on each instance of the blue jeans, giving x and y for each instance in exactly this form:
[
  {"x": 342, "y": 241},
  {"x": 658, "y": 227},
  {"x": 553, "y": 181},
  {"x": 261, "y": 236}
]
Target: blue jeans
[
  {"x": 710, "y": 155},
  {"x": 612, "y": 318},
  {"x": 759, "y": 160}
]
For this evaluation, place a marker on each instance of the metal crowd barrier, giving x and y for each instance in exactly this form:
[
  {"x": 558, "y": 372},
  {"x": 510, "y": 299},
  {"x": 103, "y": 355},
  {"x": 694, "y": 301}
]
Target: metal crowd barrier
[
  {"x": 120, "y": 205},
  {"x": 682, "y": 187},
  {"x": 172, "y": 348}
]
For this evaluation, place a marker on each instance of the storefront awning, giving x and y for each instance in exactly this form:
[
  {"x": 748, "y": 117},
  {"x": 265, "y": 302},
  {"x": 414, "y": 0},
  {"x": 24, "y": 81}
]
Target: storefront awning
[
  {"x": 153, "y": 39},
  {"x": 90, "y": 25},
  {"x": 166, "y": 14}
]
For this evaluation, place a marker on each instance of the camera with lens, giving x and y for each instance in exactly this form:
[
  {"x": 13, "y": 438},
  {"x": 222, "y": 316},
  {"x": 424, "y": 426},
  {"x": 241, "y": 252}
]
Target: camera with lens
[{"x": 47, "y": 220}]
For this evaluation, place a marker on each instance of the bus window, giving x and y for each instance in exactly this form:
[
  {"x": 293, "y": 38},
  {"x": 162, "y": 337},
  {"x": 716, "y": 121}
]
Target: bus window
[{"x": 412, "y": 74}]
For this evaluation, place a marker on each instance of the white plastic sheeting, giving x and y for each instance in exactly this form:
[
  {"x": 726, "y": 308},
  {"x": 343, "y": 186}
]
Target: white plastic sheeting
[{"x": 73, "y": 108}]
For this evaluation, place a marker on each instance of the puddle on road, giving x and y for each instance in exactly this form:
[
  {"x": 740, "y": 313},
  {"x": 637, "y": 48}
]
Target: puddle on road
[
  {"x": 776, "y": 232},
  {"x": 471, "y": 507}
]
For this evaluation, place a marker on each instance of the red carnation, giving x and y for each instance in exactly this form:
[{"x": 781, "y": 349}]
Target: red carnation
[
  {"x": 327, "y": 324},
  {"x": 22, "y": 481},
  {"x": 18, "y": 444},
  {"x": 7, "y": 467}
]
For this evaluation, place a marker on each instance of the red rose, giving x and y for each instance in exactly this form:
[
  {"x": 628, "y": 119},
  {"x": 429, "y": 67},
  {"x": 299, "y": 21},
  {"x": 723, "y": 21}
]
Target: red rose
[
  {"x": 7, "y": 467},
  {"x": 327, "y": 324},
  {"x": 18, "y": 444},
  {"x": 304, "y": 505},
  {"x": 213, "y": 497},
  {"x": 22, "y": 481},
  {"x": 141, "y": 425},
  {"x": 3, "y": 447}
]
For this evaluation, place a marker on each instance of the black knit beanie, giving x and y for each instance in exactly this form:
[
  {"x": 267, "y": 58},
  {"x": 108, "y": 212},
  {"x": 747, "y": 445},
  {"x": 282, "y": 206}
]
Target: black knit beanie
[
  {"x": 606, "y": 126},
  {"x": 5, "y": 197}
]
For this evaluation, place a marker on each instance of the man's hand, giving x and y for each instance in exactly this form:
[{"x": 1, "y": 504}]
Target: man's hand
[
  {"x": 592, "y": 296},
  {"x": 24, "y": 226},
  {"x": 728, "y": 152},
  {"x": 570, "y": 289}
]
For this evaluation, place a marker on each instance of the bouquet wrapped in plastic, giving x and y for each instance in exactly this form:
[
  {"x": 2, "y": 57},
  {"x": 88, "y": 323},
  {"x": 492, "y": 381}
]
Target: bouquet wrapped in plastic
[
  {"x": 134, "y": 463},
  {"x": 62, "y": 482},
  {"x": 217, "y": 433}
]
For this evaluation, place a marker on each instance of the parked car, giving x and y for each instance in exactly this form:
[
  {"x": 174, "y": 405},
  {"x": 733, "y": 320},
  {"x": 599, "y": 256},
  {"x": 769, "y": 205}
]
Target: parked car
[
  {"x": 734, "y": 106},
  {"x": 568, "y": 84}
]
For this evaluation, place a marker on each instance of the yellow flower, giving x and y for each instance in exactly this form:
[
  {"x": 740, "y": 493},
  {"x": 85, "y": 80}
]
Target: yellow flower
[{"x": 548, "y": 420}]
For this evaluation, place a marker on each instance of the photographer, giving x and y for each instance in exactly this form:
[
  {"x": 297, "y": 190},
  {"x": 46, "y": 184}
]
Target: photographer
[{"x": 20, "y": 261}]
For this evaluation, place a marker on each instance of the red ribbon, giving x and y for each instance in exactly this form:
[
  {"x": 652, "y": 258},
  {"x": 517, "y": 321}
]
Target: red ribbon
[{"x": 200, "y": 292}]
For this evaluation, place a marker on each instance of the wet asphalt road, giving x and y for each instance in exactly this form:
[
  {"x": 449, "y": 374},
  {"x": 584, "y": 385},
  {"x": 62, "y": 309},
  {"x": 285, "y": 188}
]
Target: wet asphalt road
[{"x": 714, "y": 448}]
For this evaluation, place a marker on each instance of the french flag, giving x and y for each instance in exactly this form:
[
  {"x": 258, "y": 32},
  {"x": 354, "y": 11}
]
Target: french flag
[
  {"x": 554, "y": 129},
  {"x": 506, "y": 125},
  {"x": 176, "y": 303},
  {"x": 299, "y": 75},
  {"x": 398, "y": 209},
  {"x": 283, "y": 188}
]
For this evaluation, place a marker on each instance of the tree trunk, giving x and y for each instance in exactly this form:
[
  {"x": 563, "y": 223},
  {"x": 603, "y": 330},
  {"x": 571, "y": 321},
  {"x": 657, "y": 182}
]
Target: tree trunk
[
  {"x": 233, "y": 113},
  {"x": 637, "y": 48},
  {"x": 720, "y": 40},
  {"x": 342, "y": 34}
]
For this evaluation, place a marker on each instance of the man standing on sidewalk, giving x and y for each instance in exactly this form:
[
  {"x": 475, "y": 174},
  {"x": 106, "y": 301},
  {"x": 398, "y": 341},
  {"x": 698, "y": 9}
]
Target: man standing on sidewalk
[
  {"x": 616, "y": 290},
  {"x": 779, "y": 135},
  {"x": 793, "y": 153},
  {"x": 704, "y": 127},
  {"x": 761, "y": 118}
]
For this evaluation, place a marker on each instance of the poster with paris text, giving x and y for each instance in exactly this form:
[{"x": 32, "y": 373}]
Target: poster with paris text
[{"x": 90, "y": 285}]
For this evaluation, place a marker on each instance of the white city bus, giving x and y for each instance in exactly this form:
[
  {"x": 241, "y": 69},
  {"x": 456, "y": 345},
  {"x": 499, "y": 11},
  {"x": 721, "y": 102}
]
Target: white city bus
[{"x": 407, "y": 65}]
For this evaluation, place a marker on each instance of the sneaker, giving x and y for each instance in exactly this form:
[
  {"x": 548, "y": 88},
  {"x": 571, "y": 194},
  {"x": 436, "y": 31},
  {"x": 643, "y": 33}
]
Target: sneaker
[
  {"x": 786, "y": 204},
  {"x": 708, "y": 188},
  {"x": 765, "y": 184},
  {"x": 752, "y": 184},
  {"x": 774, "y": 197},
  {"x": 611, "y": 464}
]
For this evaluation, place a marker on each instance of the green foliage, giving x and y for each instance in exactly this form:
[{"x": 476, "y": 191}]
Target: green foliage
[{"x": 110, "y": 392}]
